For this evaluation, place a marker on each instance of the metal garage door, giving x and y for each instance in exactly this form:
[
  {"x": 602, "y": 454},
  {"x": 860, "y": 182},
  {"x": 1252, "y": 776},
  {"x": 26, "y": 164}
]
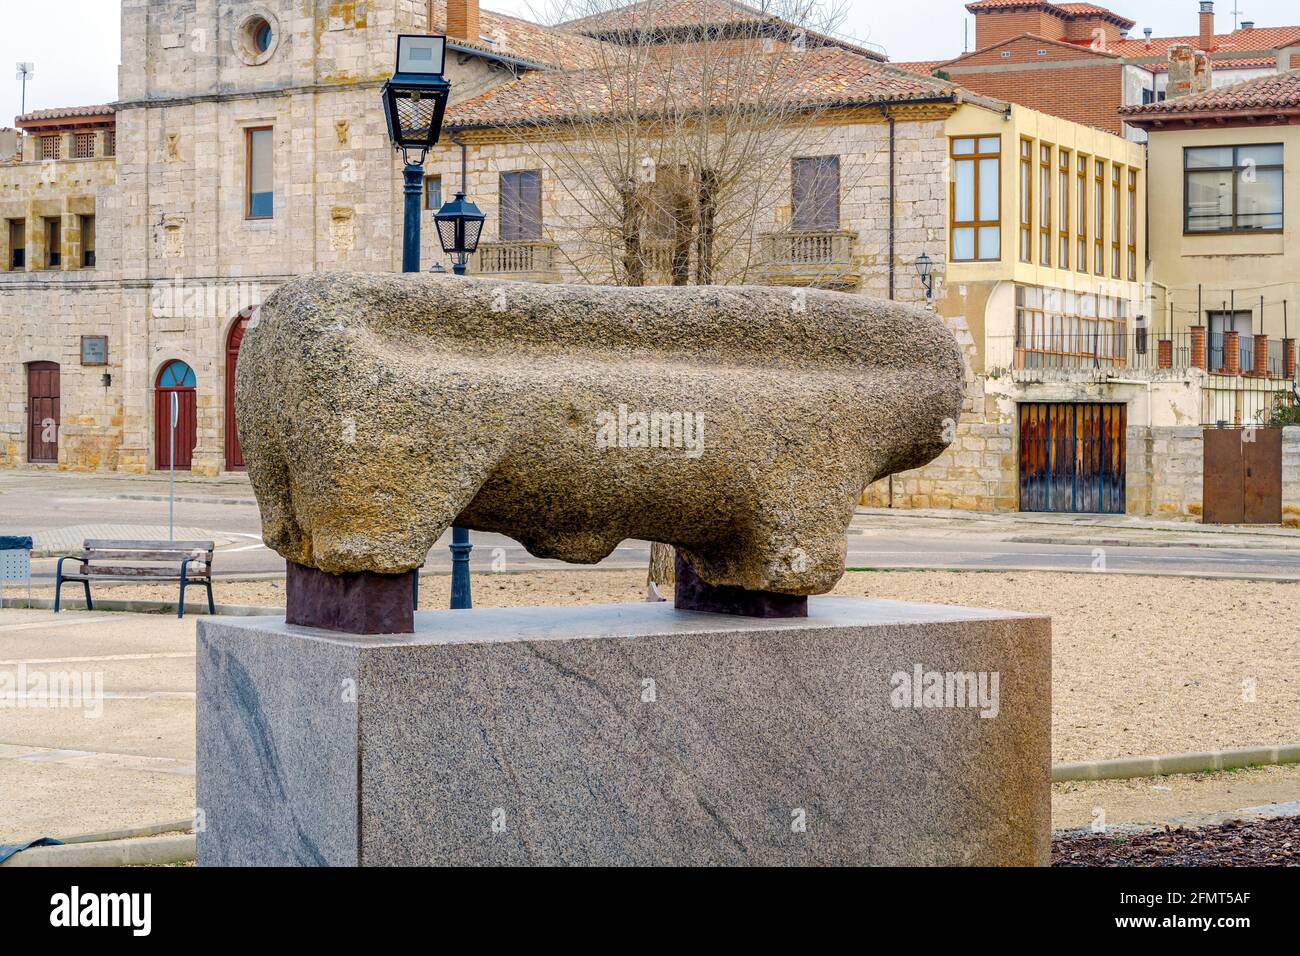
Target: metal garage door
[{"x": 1072, "y": 457}]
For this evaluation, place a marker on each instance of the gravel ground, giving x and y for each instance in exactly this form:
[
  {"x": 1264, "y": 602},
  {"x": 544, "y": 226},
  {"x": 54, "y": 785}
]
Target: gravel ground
[
  {"x": 1141, "y": 665},
  {"x": 1236, "y": 843}
]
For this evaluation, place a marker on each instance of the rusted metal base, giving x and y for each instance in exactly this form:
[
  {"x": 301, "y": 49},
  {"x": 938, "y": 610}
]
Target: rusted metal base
[
  {"x": 361, "y": 603},
  {"x": 694, "y": 594}
]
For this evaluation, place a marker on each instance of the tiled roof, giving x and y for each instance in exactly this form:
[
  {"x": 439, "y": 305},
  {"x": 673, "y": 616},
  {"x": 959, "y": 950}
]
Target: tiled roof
[
  {"x": 823, "y": 76},
  {"x": 1066, "y": 10},
  {"x": 503, "y": 35},
  {"x": 648, "y": 16},
  {"x": 1281, "y": 91},
  {"x": 920, "y": 67},
  {"x": 66, "y": 112},
  {"x": 1257, "y": 38}
]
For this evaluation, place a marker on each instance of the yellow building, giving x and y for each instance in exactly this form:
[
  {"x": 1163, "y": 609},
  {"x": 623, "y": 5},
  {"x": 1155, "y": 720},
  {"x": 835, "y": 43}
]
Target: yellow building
[{"x": 1225, "y": 247}]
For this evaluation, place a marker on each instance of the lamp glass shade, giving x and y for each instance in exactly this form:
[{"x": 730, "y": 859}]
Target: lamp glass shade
[
  {"x": 415, "y": 99},
  {"x": 924, "y": 266},
  {"x": 421, "y": 55},
  {"x": 460, "y": 226}
]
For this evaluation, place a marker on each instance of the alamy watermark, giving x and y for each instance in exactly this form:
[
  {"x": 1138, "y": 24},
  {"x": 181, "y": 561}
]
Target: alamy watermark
[
  {"x": 948, "y": 689},
  {"x": 24, "y": 689},
  {"x": 623, "y": 428}
]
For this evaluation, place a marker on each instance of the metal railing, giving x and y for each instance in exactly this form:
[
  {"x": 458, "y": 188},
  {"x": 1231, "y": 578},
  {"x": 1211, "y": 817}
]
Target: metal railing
[{"x": 1087, "y": 349}]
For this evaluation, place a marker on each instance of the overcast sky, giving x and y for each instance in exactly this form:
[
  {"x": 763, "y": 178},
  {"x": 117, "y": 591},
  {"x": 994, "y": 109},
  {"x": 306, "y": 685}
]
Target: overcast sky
[{"x": 75, "y": 43}]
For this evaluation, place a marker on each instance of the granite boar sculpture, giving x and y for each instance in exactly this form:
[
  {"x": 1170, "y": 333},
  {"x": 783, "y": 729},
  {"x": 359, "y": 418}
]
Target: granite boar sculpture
[{"x": 739, "y": 424}]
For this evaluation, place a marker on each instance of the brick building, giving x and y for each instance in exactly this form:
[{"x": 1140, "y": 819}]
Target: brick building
[{"x": 1078, "y": 60}]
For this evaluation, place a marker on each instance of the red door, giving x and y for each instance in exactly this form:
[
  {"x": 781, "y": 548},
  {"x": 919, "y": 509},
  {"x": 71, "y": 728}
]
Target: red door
[
  {"x": 43, "y": 412},
  {"x": 234, "y": 454},
  {"x": 177, "y": 379}
]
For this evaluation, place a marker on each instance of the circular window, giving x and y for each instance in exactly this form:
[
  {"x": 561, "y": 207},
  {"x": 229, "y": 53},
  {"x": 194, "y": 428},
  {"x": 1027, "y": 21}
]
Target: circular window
[{"x": 257, "y": 37}]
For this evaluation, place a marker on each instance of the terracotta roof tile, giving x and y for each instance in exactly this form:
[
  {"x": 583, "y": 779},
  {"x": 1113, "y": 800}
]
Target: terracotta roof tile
[
  {"x": 819, "y": 77},
  {"x": 1280, "y": 91},
  {"x": 686, "y": 15},
  {"x": 66, "y": 112},
  {"x": 1066, "y": 10},
  {"x": 503, "y": 35},
  {"x": 1258, "y": 38}
]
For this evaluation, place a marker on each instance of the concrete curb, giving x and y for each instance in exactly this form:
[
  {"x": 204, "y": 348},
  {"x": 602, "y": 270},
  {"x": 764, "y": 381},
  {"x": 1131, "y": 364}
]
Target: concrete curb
[
  {"x": 1128, "y": 768},
  {"x": 151, "y": 829},
  {"x": 137, "y": 851},
  {"x": 192, "y": 608}
]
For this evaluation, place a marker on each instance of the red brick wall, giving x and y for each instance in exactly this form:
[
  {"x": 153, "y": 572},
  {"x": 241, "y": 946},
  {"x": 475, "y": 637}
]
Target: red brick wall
[
  {"x": 1088, "y": 94},
  {"x": 996, "y": 26},
  {"x": 1081, "y": 29}
]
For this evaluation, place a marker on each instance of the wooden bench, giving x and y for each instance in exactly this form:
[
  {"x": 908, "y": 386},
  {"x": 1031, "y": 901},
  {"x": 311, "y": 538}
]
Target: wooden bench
[{"x": 190, "y": 563}]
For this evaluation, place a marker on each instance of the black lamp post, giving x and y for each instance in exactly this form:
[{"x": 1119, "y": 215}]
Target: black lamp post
[
  {"x": 460, "y": 225},
  {"x": 925, "y": 268},
  {"x": 415, "y": 101}
]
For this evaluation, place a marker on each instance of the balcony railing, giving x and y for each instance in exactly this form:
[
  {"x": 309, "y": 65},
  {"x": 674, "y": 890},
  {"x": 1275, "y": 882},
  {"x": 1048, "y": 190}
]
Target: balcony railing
[
  {"x": 534, "y": 261},
  {"x": 810, "y": 258},
  {"x": 1088, "y": 350}
]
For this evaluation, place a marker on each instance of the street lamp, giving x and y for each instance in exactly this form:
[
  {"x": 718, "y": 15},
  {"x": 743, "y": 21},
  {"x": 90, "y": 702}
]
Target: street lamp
[
  {"x": 415, "y": 101},
  {"x": 925, "y": 268},
  {"x": 460, "y": 225}
]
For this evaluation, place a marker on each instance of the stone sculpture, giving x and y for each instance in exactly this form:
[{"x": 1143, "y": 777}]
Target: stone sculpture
[{"x": 739, "y": 424}]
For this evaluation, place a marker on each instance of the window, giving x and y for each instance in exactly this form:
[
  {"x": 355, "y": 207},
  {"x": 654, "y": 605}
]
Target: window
[
  {"x": 1026, "y": 201},
  {"x": 1063, "y": 222},
  {"x": 260, "y": 173},
  {"x": 816, "y": 194},
  {"x": 976, "y": 201},
  {"x": 1132, "y": 225},
  {"x": 53, "y": 243},
  {"x": 83, "y": 145},
  {"x": 87, "y": 242},
  {"x": 1115, "y": 174},
  {"x": 51, "y": 147},
  {"x": 433, "y": 192},
  {"x": 1081, "y": 188},
  {"x": 1045, "y": 205},
  {"x": 17, "y": 244},
  {"x": 1239, "y": 322},
  {"x": 1233, "y": 188},
  {"x": 110, "y": 143},
  {"x": 521, "y": 206},
  {"x": 262, "y": 36},
  {"x": 1099, "y": 218},
  {"x": 1056, "y": 328}
]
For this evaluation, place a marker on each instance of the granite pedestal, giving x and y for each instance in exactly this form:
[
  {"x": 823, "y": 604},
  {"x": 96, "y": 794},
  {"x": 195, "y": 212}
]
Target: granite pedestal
[{"x": 870, "y": 732}]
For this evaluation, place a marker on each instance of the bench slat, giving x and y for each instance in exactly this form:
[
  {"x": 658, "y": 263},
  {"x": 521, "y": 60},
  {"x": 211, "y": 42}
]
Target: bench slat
[
  {"x": 104, "y": 571},
  {"x": 115, "y": 544},
  {"x": 174, "y": 556}
]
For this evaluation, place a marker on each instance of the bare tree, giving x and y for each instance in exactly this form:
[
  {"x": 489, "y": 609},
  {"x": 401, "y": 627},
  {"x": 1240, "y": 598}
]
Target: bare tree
[{"x": 675, "y": 144}]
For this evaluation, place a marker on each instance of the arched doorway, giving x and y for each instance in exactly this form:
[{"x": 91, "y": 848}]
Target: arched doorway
[
  {"x": 234, "y": 454},
  {"x": 176, "y": 378},
  {"x": 42, "y": 412}
]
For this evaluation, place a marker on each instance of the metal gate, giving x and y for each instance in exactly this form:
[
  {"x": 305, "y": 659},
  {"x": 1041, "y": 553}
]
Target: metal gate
[
  {"x": 1242, "y": 476},
  {"x": 1073, "y": 457}
]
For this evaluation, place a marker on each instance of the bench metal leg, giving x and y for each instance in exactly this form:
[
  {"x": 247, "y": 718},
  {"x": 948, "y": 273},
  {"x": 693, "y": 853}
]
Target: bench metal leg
[
  {"x": 58, "y": 588},
  {"x": 90, "y": 605},
  {"x": 212, "y": 605},
  {"x": 180, "y": 610}
]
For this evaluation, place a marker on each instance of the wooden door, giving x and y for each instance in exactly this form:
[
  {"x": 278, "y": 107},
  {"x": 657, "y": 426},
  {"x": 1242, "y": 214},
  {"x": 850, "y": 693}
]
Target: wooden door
[
  {"x": 1073, "y": 457},
  {"x": 234, "y": 454},
  {"x": 43, "y": 412},
  {"x": 177, "y": 379}
]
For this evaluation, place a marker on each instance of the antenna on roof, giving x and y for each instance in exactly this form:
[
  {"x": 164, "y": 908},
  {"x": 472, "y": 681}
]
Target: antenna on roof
[
  {"x": 25, "y": 72},
  {"x": 1236, "y": 16}
]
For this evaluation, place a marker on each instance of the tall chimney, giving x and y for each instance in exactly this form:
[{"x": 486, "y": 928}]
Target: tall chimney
[
  {"x": 463, "y": 20},
  {"x": 1207, "y": 24},
  {"x": 1190, "y": 71}
]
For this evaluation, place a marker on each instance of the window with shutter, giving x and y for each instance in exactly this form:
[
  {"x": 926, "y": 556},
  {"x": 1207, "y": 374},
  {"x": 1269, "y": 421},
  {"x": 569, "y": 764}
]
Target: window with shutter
[
  {"x": 521, "y": 206},
  {"x": 816, "y": 194}
]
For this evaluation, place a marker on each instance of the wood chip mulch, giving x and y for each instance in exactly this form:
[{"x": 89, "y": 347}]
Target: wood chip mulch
[{"x": 1237, "y": 843}]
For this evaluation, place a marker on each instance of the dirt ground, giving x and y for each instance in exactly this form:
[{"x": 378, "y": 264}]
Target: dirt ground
[{"x": 1141, "y": 665}]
